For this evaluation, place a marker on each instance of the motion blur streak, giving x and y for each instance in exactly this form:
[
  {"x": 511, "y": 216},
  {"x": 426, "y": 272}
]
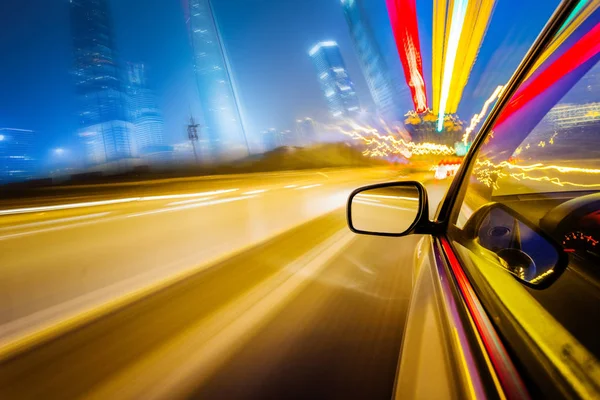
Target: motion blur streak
[
  {"x": 457, "y": 37},
  {"x": 188, "y": 206},
  {"x": 582, "y": 12},
  {"x": 477, "y": 18},
  {"x": 571, "y": 60},
  {"x": 476, "y": 119},
  {"x": 490, "y": 174},
  {"x": 403, "y": 17},
  {"x": 379, "y": 145},
  {"x": 111, "y": 202},
  {"x": 458, "y": 17}
]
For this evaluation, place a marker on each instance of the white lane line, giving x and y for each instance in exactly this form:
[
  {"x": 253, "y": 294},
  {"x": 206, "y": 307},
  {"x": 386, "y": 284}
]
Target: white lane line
[
  {"x": 53, "y": 221},
  {"x": 186, "y": 207},
  {"x": 309, "y": 186},
  {"x": 55, "y": 228},
  {"x": 109, "y": 202},
  {"x": 256, "y": 191},
  {"x": 176, "y": 203},
  {"x": 67, "y": 206},
  {"x": 368, "y": 203},
  {"x": 187, "y": 195},
  {"x": 290, "y": 186}
]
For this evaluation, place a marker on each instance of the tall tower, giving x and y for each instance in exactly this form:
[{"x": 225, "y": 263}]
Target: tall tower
[
  {"x": 335, "y": 82},
  {"x": 103, "y": 119},
  {"x": 222, "y": 118},
  {"x": 147, "y": 119},
  {"x": 374, "y": 67}
]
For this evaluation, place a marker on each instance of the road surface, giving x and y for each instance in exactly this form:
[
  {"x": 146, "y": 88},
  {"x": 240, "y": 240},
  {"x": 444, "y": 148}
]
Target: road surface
[{"x": 249, "y": 288}]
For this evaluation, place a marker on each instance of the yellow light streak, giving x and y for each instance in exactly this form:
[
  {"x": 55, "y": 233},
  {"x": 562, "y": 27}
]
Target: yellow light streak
[{"x": 478, "y": 117}]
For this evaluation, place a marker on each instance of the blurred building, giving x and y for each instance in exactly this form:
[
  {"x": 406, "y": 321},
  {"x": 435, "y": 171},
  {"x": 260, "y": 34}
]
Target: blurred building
[
  {"x": 222, "y": 119},
  {"x": 306, "y": 131},
  {"x": 373, "y": 64},
  {"x": 16, "y": 154},
  {"x": 101, "y": 97},
  {"x": 334, "y": 80},
  {"x": 147, "y": 119}
]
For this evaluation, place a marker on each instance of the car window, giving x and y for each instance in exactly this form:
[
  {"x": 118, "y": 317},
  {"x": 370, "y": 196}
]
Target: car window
[{"x": 528, "y": 227}]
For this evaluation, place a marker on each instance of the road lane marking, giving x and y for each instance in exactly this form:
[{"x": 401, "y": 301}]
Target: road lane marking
[
  {"x": 256, "y": 191},
  {"x": 110, "y": 202},
  {"x": 188, "y": 206},
  {"x": 57, "y": 228},
  {"x": 176, "y": 203},
  {"x": 187, "y": 195},
  {"x": 290, "y": 186},
  {"x": 54, "y": 221},
  {"x": 197, "y": 352},
  {"x": 67, "y": 206},
  {"x": 309, "y": 186}
]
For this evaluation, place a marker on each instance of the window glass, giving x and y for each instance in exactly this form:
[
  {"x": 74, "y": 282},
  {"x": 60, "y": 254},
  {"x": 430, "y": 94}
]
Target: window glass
[{"x": 529, "y": 223}]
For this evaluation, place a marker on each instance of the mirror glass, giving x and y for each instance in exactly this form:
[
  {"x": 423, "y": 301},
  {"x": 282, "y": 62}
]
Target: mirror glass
[
  {"x": 388, "y": 210},
  {"x": 525, "y": 253}
]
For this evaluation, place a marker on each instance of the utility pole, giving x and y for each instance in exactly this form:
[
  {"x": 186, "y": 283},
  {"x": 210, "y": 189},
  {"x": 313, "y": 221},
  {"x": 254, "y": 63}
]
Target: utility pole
[{"x": 193, "y": 135}]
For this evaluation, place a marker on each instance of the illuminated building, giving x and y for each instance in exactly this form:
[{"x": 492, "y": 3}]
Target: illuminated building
[
  {"x": 222, "y": 118},
  {"x": 16, "y": 158},
  {"x": 103, "y": 120},
  {"x": 306, "y": 131},
  {"x": 334, "y": 80},
  {"x": 148, "y": 122},
  {"x": 372, "y": 62}
]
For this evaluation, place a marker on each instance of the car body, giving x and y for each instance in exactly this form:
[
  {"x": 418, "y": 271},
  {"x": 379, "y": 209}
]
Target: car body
[{"x": 506, "y": 284}]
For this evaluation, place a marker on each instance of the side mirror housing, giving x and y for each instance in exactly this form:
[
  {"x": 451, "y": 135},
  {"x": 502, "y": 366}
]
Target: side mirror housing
[{"x": 389, "y": 209}]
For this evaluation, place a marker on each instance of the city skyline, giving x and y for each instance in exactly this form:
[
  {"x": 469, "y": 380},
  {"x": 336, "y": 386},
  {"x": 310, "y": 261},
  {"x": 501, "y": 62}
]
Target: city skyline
[{"x": 275, "y": 78}]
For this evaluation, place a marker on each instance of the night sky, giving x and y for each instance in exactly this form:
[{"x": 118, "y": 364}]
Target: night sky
[{"x": 267, "y": 41}]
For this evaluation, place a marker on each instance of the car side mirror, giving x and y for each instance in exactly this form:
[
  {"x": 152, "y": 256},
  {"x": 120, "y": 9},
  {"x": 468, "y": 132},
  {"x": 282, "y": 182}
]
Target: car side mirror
[{"x": 389, "y": 209}]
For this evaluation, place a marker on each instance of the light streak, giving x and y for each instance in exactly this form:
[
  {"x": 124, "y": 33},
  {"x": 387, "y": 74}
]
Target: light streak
[
  {"x": 573, "y": 58},
  {"x": 110, "y": 202},
  {"x": 489, "y": 173},
  {"x": 309, "y": 186},
  {"x": 256, "y": 191},
  {"x": 458, "y": 17},
  {"x": 380, "y": 145},
  {"x": 189, "y": 206},
  {"x": 403, "y": 18},
  {"x": 478, "y": 117}
]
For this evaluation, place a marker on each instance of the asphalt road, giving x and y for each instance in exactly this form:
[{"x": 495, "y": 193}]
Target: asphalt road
[{"x": 247, "y": 289}]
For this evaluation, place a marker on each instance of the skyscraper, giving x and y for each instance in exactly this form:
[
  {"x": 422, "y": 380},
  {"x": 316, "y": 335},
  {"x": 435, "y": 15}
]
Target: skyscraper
[
  {"x": 385, "y": 93},
  {"x": 16, "y": 154},
  {"x": 148, "y": 122},
  {"x": 103, "y": 119},
  {"x": 335, "y": 82},
  {"x": 222, "y": 119}
]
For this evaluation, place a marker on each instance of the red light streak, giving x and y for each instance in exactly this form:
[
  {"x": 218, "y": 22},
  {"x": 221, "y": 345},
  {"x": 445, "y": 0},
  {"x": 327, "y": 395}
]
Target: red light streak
[
  {"x": 583, "y": 50},
  {"x": 403, "y": 17}
]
